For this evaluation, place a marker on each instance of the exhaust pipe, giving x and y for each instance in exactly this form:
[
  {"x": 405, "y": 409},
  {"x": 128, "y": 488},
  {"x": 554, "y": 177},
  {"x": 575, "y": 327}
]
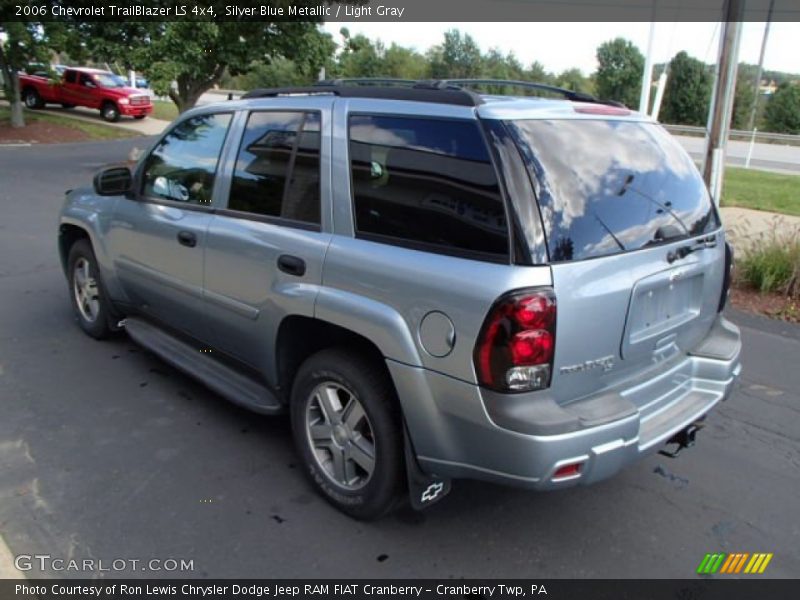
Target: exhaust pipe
[{"x": 685, "y": 438}]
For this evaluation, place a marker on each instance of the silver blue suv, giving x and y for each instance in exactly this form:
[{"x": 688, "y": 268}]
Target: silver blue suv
[{"x": 435, "y": 283}]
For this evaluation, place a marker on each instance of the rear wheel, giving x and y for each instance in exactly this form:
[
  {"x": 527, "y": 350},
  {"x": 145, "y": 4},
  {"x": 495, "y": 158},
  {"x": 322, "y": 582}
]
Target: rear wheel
[
  {"x": 139, "y": 117},
  {"x": 32, "y": 99},
  {"x": 66, "y": 105},
  {"x": 110, "y": 112},
  {"x": 86, "y": 291},
  {"x": 347, "y": 429}
]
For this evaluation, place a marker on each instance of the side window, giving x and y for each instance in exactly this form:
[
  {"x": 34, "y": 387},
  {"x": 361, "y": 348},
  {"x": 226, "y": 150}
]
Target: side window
[
  {"x": 277, "y": 170},
  {"x": 183, "y": 165},
  {"x": 426, "y": 181},
  {"x": 86, "y": 80},
  {"x": 69, "y": 77}
]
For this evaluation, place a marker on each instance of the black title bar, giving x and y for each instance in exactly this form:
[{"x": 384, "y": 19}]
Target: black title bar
[{"x": 390, "y": 10}]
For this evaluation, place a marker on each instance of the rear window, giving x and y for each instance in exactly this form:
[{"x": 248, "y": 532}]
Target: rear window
[{"x": 606, "y": 187}]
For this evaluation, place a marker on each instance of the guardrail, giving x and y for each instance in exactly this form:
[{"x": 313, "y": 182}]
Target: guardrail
[{"x": 764, "y": 137}]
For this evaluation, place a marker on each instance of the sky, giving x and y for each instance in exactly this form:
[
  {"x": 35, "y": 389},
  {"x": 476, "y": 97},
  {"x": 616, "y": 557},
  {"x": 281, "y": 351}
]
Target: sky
[{"x": 561, "y": 46}]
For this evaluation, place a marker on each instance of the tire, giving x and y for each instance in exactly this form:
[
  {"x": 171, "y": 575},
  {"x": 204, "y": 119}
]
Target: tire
[
  {"x": 32, "y": 99},
  {"x": 342, "y": 377},
  {"x": 86, "y": 291},
  {"x": 65, "y": 105},
  {"x": 110, "y": 112},
  {"x": 139, "y": 117}
]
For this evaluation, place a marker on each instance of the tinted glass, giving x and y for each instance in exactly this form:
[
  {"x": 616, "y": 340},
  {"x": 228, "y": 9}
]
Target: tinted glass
[
  {"x": 426, "y": 181},
  {"x": 70, "y": 76},
  {"x": 277, "y": 169},
  {"x": 183, "y": 165},
  {"x": 606, "y": 187}
]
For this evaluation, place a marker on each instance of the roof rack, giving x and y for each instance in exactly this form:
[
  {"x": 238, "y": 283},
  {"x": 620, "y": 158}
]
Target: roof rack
[
  {"x": 367, "y": 81},
  {"x": 413, "y": 91},
  {"x": 440, "y": 91},
  {"x": 544, "y": 87}
]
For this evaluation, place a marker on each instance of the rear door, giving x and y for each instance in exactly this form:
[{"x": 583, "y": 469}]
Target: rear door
[
  {"x": 634, "y": 242},
  {"x": 267, "y": 240}
]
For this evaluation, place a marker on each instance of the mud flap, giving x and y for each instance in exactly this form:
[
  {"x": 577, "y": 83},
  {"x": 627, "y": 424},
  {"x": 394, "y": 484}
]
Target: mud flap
[{"x": 424, "y": 490}]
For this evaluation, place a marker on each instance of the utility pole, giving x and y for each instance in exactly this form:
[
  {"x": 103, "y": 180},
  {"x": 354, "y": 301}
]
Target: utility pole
[
  {"x": 752, "y": 122},
  {"x": 722, "y": 105},
  {"x": 647, "y": 75}
]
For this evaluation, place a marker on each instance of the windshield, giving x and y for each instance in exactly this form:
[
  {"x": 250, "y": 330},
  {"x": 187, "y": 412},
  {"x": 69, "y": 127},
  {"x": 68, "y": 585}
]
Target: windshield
[
  {"x": 606, "y": 187},
  {"x": 109, "y": 80}
]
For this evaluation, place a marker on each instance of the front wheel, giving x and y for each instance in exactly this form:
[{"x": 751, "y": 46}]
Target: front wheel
[
  {"x": 67, "y": 105},
  {"x": 139, "y": 117},
  {"x": 86, "y": 291},
  {"x": 110, "y": 112},
  {"x": 347, "y": 428}
]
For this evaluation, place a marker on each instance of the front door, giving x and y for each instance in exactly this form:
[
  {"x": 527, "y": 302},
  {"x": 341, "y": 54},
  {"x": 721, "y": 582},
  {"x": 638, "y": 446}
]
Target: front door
[{"x": 158, "y": 237}]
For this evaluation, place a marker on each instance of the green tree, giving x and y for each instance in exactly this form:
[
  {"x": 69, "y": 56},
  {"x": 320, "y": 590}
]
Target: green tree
[
  {"x": 537, "y": 73},
  {"x": 183, "y": 59},
  {"x": 573, "y": 79},
  {"x": 743, "y": 102},
  {"x": 459, "y": 57},
  {"x": 782, "y": 114},
  {"x": 497, "y": 65},
  {"x": 24, "y": 44},
  {"x": 619, "y": 71},
  {"x": 405, "y": 63},
  {"x": 688, "y": 92},
  {"x": 360, "y": 56}
]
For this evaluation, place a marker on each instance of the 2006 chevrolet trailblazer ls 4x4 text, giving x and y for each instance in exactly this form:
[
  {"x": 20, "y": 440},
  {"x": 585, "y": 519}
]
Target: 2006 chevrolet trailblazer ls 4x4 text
[{"x": 435, "y": 283}]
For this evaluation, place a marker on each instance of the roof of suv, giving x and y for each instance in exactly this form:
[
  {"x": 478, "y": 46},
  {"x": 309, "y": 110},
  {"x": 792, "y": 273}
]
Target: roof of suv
[{"x": 462, "y": 93}]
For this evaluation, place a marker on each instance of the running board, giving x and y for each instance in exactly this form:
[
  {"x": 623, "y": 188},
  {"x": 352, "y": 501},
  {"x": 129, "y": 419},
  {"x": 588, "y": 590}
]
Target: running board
[{"x": 226, "y": 381}]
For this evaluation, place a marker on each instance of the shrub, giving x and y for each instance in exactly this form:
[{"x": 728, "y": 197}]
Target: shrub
[{"x": 771, "y": 263}]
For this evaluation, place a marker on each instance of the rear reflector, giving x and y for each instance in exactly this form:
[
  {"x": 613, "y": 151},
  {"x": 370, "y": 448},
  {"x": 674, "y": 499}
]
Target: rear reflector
[{"x": 567, "y": 472}]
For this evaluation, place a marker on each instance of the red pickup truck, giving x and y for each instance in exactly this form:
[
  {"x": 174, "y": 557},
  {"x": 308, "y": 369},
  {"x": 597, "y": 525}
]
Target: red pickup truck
[{"x": 92, "y": 88}]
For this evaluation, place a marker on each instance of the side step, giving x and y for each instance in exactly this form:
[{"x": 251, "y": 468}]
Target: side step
[{"x": 226, "y": 381}]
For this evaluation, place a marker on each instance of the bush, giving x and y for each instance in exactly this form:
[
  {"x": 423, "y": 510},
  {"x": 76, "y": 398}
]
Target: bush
[{"x": 771, "y": 263}]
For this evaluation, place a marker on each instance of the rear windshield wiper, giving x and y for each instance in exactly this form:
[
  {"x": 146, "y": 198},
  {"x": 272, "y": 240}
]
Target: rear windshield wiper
[{"x": 684, "y": 251}]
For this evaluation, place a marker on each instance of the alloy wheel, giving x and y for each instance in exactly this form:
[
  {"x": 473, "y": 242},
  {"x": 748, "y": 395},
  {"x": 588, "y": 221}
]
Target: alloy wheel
[{"x": 340, "y": 435}]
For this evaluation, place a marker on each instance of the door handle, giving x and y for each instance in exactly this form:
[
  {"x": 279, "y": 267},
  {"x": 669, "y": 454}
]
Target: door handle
[
  {"x": 187, "y": 238},
  {"x": 293, "y": 265}
]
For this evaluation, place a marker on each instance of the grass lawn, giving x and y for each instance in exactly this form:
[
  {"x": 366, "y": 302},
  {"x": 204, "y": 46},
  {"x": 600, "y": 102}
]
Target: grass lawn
[
  {"x": 94, "y": 131},
  {"x": 761, "y": 190},
  {"x": 164, "y": 110}
]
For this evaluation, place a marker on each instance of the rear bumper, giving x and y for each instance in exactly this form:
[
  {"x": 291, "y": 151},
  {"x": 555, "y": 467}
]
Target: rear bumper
[{"x": 467, "y": 433}]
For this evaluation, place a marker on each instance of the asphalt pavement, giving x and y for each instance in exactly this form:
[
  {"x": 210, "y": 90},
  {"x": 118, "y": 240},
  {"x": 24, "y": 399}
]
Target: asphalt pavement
[{"x": 108, "y": 453}]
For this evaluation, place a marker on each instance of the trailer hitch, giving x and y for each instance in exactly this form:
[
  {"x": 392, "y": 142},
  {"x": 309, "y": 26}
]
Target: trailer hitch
[{"x": 685, "y": 438}]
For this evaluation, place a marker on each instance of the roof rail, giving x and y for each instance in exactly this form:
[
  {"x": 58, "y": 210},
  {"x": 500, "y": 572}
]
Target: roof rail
[
  {"x": 440, "y": 91},
  {"x": 367, "y": 81},
  {"x": 415, "y": 93},
  {"x": 568, "y": 94}
]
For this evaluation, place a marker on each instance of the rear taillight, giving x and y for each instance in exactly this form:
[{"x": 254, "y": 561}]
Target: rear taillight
[
  {"x": 726, "y": 281},
  {"x": 514, "y": 352}
]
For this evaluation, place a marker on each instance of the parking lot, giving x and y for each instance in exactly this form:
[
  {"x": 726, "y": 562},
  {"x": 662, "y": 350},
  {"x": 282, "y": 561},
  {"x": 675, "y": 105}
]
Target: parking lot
[{"x": 108, "y": 453}]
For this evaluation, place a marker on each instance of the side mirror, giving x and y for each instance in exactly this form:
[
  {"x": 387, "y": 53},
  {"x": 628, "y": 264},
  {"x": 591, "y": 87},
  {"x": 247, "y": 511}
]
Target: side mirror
[{"x": 114, "y": 181}]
